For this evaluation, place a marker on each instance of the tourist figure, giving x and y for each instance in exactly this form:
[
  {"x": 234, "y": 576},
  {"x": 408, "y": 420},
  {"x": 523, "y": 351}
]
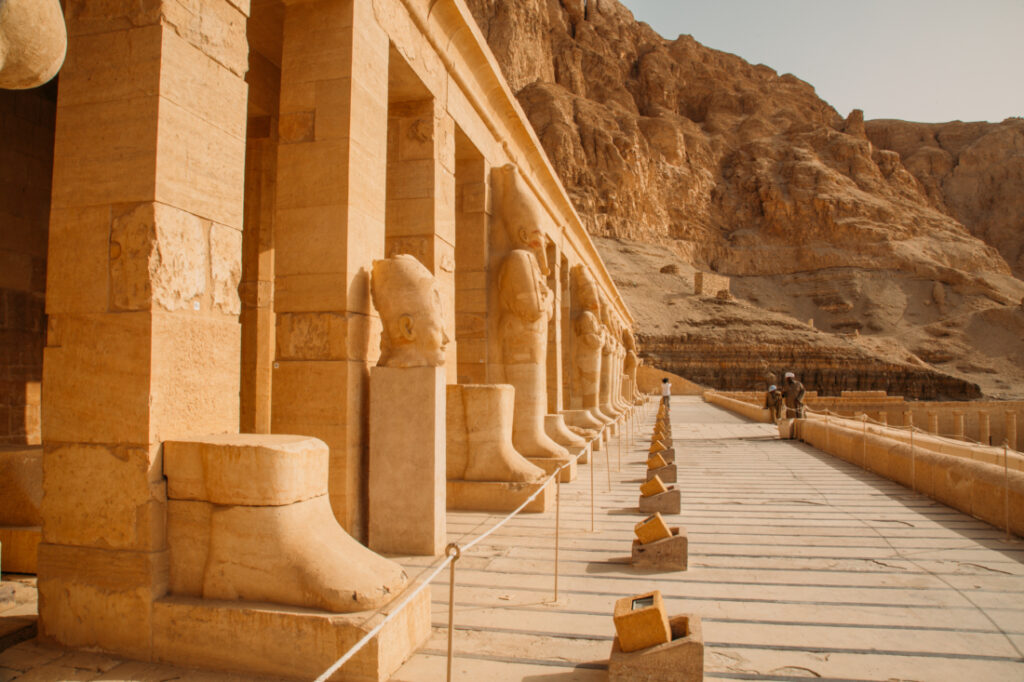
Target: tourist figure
[
  {"x": 773, "y": 400},
  {"x": 794, "y": 392},
  {"x": 666, "y": 392}
]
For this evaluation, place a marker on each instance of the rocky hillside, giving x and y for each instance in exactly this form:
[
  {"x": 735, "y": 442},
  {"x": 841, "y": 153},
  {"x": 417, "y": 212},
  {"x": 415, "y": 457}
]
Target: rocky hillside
[{"x": 901, "y": 233}]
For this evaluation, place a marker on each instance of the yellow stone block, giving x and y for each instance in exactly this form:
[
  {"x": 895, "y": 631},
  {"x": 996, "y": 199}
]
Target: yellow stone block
[
  {"x": 651, "y": 529},
  {"x": 656, "y": 446},
  {"x": 653, "y": 487},
  {"x": 641, "y": 621},
  {"x": 656, "y": 462}
]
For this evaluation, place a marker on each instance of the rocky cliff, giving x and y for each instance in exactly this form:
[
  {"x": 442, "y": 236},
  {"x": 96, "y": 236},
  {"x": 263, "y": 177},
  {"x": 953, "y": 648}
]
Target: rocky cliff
[{"x": 901, "y": 233}]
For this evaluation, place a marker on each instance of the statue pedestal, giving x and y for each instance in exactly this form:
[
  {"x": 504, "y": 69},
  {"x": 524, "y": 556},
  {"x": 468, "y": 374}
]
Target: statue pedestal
[
  {"x": 551, "y": 464},
  {"x": 667, "y": 502},
  {"x": 493, "y": 496},
  {"x": 667, "y": 473},
  {"x": 678, "y": 660},
  {"x": 285, "y": 641},
  {"x": 407, "y": 460},
  {"x": 667, "y": 554}
]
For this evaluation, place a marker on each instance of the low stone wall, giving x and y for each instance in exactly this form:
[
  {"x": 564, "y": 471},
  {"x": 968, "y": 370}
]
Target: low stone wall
[
  {"x": 748, "y": 410},
  {"x": 977, "y": 488}
]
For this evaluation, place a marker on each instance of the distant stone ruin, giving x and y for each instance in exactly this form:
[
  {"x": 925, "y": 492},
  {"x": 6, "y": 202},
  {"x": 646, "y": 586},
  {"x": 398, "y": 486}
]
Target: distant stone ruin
[{"x": 707, "y": 284}]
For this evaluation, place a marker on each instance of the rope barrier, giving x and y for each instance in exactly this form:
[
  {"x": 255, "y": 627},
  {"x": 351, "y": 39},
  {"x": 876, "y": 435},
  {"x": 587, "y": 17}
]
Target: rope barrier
[{"x": 454, "y": 552}]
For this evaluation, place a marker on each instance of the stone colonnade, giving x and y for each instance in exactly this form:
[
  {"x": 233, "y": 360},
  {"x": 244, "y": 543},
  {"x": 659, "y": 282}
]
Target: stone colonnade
[{"x": 225, "y": 174}]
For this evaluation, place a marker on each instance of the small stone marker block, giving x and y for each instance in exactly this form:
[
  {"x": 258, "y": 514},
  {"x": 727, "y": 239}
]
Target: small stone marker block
[
  {"x": 656, "y": 446},
  {"x": 655, "y": 486},
  {"x": 656, "y": 462},
  {"x": 668, "y": 502},
  {"x": 651, "y": 529},
  {"x": 668, "y": 454},
  {"x": 666, "y": 554},
  {"x": 679, "y": 660},
  {"x": 641, "y": 622},
  {"x": 666, "y": 473}
]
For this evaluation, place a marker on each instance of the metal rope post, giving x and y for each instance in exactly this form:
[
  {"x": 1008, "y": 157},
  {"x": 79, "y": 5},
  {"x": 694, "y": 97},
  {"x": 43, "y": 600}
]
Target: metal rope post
[
  {"x": 864, "y": 441},
  {"x": 453, "y": 551},
  {"x": 913, "y": 461},
  {"x": 1006, "y": 486},
  {"x": 608, "y": 464},
  {"x": 558, "y": 517},
  {"x": 593, "y": 464},
  {"x": 619, "y": 446}
]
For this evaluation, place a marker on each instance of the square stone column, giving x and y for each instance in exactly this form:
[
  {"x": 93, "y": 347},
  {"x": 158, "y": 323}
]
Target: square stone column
[
  {"x": 471, "y": 276},
  {"x": 421, "y": 198},
  {"x": 329, "y": 227},
  {"x": 143, "y": 269},
  {"x": 554, "y": 356},
  {"x": 407, "y": 460}
]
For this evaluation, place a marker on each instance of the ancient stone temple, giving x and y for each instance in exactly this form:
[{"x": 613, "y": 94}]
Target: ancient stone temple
[{"x": 191, "y": 217}]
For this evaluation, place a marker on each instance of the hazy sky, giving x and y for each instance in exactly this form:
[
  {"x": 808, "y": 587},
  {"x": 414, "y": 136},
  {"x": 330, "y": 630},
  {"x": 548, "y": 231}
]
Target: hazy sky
[{"x": 919, "y": 60}]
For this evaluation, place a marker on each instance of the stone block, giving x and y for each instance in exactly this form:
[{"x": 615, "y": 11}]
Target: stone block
[
  {"x": 246, "y": 469},
  {"x": 640, "y": 621},
  {"x": 20, "y": 548},
  {"x": 668, "y": 502},
  {"x": 679, "y": 660},
  {"x": 651, "y": 529},
  {"x": 289, "y": 642},
  {"x": 665, "y": 554},
  {"x": 666, "y": 473},
  {"x": 407, "y": 460},
  {"x": 656, "y": 446},
  {"x": 654, "y": 486},
  {"x": 669, "y": 455},
  {"x": 102, "y": 599},
  {"x": 498, "y": 497},
  {"x": 104, "y": 496},
  {"x": 656, "y": 461},
  {"x": 21, "y": 485}
]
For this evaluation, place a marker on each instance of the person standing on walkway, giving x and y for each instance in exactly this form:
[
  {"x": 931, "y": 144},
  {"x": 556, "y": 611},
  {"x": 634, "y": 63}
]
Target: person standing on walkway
[
  {"x": 794, "y": 392},
  {"x": 666, "y": 392},
  {"x": 773, "y": 401}
]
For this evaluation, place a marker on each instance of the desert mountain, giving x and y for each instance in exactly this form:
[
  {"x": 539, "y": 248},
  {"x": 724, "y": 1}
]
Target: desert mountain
[{"x": 902, "y": 243}]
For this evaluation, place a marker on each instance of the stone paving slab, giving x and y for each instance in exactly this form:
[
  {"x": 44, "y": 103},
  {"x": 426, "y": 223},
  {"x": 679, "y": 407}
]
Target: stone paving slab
[{"x": 801, "y": 566}]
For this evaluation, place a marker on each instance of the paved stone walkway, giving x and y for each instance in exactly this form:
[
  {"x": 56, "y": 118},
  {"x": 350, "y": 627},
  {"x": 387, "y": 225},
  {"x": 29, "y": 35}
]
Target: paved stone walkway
[{"x": 801, "y": 566}]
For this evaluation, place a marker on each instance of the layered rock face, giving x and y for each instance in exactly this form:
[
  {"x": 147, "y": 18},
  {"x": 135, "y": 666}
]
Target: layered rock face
[{"x": 738, "y": 170}]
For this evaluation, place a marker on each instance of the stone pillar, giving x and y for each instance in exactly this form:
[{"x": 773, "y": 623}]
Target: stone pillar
[
  {"x": 143, "y": 270},
  {"x": 1011, "y": 429},
  {"x": 908, "y": 418},
  {"x": 420, "y": 217},
  {"x": 958, "y": 425},
  {"x": 933, "y": 422},
  {"x": 472, "y": 223},
  {"x": 883, "y": 418},
  {"x": 554, "y": 354},
  {"x": 328, "y": 228},
  {"x": 407, "y": 460},
  {"x": 568, "y": 353},
  {"x": 984, "y": 428}
]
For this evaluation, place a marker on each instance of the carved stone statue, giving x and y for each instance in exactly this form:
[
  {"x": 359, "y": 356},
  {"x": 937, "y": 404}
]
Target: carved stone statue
[
  {"x": 527, "y": 305},
  {"x": 630, "y": 366},
  {"x": 407, "y": 297},
  {"x": 33, "y": 41},
  {"x": 588, "y": 345}
]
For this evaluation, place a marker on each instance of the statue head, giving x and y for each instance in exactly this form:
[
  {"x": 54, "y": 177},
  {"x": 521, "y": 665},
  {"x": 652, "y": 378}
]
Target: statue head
[
  {"x": 409, "y": 302},
  {"x": 585, "y": 290},
  {"x": 518, "y": 211}
]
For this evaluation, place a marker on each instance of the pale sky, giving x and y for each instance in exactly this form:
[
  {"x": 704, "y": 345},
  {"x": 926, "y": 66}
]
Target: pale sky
[{"x": 918, "y": 60}]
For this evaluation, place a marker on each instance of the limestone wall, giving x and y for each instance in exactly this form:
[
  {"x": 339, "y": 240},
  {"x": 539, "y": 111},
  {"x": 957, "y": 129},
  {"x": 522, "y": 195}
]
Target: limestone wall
[{"x": 26, "y": 162}]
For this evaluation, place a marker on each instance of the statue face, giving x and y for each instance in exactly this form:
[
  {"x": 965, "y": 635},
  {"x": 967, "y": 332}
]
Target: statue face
[
  {"x": 420, "y": 336},
  {"x": 533, "y": 239}
]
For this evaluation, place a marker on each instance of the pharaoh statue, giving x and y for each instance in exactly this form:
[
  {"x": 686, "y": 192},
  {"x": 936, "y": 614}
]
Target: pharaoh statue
[
  {"x": 527, "y": 306},
  {"x": 607, "y": 369},
  {"x": 405, "y": 294},
  {"x": 33, "y": 41},
  {"x": 589, "y": 341},
  {"x": 630, "y": 366},
  {"x": 619, "y": 368}
]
